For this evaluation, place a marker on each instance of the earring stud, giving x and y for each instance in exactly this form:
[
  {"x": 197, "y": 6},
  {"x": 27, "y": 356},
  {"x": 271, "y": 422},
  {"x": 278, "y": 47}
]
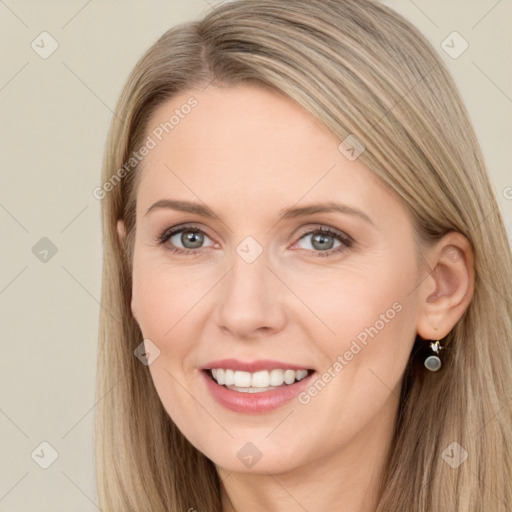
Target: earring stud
[{"x": 433, "y": 362}]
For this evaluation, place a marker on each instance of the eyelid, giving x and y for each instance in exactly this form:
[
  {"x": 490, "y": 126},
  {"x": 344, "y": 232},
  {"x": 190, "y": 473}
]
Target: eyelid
[
  {"x": 325, "y": 229},
  {"x": 346, "y": 240},
  {"x": 162, "y": 237}
]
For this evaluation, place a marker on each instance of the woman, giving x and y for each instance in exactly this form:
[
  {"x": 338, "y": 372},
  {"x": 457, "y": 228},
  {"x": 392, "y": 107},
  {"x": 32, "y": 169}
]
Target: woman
[{"x": 306, "y": 274}]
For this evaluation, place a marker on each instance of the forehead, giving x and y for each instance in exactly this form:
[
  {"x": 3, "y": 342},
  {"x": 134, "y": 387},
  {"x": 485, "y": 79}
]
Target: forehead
[{"x": 246, "y": 145}]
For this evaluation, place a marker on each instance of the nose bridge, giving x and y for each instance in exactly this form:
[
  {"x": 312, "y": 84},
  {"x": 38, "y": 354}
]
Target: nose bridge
[
  {"x": 248, "y": 274},
  {"x": 248, "y": 279},
  {"x": 247, "y": 301}
]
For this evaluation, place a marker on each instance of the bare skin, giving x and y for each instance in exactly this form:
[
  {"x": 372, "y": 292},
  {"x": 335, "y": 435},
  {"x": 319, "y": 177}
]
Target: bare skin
[{"x": 247, "y": 154}]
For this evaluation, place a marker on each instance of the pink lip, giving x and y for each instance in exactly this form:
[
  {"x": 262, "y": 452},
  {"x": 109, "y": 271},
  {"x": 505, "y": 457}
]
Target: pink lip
[
  {"x": 253, "y": 366},
  {"x": 254, "y": 403}
]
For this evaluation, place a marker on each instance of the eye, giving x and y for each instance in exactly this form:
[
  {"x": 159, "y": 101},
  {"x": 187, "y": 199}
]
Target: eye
[
  {"x": 326, "y": 241},
  {"x": 190, "y": 238}
]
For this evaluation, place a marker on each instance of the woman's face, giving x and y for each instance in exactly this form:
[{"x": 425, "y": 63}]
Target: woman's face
[{"x": 256, "y": 288}]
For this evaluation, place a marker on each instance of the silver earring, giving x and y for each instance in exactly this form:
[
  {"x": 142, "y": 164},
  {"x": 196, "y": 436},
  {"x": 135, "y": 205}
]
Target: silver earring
[{"x": 433, "y": 362}]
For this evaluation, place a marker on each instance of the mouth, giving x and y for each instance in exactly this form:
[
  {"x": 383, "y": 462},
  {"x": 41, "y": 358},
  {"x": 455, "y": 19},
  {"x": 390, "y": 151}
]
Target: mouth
[
  {"x": 256, "y": 382},
  {"x": 255, "y": 387}
]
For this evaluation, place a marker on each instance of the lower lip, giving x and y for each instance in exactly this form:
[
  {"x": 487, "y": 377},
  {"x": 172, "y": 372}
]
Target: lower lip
[{"x": 254, "y": 403}]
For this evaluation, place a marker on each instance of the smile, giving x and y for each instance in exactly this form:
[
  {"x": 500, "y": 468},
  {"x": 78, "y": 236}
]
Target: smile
[
  {"x": 256, "y": 382},
  {"x": 255, "y": 392}
]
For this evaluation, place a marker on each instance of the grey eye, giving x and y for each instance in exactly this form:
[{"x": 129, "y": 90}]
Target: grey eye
[
  {"x": 320, "y": 241},
  {"x": 190, "y": 239}
]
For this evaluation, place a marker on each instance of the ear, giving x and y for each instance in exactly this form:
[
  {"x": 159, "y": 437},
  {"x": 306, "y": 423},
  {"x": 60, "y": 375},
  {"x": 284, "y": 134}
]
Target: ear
[
  {"x": 448, "y": 289},
  {"x": 121, "y": 233},
  {"x": 121, "y": 230}
]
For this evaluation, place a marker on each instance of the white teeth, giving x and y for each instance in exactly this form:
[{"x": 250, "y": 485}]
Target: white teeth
[
  {"x": 229, "y": 377},
  {"x": 250, "y": 390},
  {"x": 263, "y": 380},
  {"x": 301, "y": 374},
  {"x": 242, "y": 379},
  {"x": 276, "y": 377},
  {"x": 289, "y": 376},
  {"x": 260, "y": 380}
]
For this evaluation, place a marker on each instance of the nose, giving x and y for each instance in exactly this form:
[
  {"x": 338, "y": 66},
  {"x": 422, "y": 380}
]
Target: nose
[{"x": 251, "y": 300}]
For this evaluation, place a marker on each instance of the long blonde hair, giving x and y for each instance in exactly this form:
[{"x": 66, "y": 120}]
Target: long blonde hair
[{"x": 363, "y": 70}]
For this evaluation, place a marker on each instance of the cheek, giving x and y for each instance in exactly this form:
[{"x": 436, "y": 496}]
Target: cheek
[
  {"x": 371, "y": 317},
  {"x": 167, "y": 300},
  {"x": 151, "y": 302},
  {"x": 365, "y": 327},
  {"x": 359, "y": 303},
  {"x": 164, "y": 295}
]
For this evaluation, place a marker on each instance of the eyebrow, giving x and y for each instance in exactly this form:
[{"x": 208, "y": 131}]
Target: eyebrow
[{"x": 286, "y": 213}]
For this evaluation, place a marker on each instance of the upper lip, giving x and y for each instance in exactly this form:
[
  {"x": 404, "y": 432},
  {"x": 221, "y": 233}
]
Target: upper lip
[{"x": 253, "y": 366}]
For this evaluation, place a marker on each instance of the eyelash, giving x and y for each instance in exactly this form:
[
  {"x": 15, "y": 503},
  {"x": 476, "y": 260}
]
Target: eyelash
[{"x": 346, "y": 241}]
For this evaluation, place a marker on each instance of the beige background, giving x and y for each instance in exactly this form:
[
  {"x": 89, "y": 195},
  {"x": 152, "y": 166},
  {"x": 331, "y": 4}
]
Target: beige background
[{"x": 54, "y": 118}]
